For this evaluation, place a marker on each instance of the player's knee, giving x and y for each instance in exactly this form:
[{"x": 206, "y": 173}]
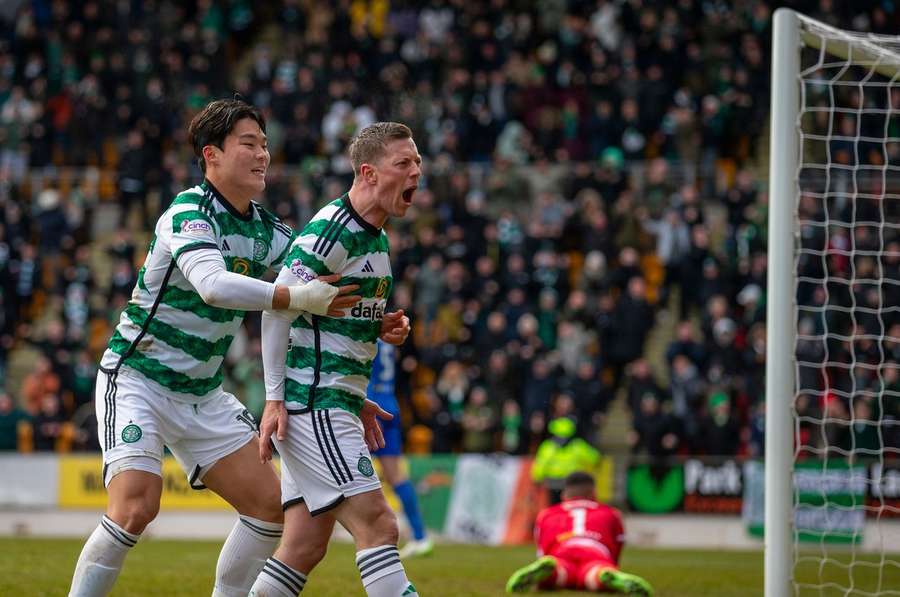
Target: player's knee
[
  {"x": 309, "y": 554},
  {"x": 373, "y": 525},
  {"x": 137, "y": 513},
  {"x": 266, "y": 506},
  {"x": 385, "y": 528}
]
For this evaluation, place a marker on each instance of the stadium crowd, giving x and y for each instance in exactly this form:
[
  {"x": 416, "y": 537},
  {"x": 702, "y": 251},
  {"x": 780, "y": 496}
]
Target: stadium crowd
[{"x": 593, "y": 174}]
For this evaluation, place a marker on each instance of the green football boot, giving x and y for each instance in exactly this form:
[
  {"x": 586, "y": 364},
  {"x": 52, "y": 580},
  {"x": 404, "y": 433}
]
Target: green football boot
[
  {"x": 627, "y": 584},
  {"x": 531, "y": 575}
]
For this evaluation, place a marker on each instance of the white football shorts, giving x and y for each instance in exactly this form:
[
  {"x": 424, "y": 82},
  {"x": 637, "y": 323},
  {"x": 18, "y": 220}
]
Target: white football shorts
[
  {"x": 324, "y": 459},
  {"x": 134, "y": 420}
]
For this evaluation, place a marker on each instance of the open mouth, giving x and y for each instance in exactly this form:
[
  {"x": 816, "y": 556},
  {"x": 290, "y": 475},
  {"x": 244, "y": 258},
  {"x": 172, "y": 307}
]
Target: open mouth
[
  {"x": 408, "y": 195},
  {"x": 259, "y": 171}
]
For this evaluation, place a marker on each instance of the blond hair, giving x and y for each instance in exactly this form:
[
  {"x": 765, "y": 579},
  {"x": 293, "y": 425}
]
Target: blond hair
[{"x": 370, "y": 143}]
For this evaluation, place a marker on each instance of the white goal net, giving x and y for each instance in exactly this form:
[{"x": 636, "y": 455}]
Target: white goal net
[{"x": 845, "y": 461}]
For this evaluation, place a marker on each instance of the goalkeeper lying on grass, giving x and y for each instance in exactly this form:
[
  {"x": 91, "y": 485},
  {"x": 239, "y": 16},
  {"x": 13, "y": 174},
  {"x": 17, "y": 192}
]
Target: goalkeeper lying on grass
[{"x": 579, "y": 542}]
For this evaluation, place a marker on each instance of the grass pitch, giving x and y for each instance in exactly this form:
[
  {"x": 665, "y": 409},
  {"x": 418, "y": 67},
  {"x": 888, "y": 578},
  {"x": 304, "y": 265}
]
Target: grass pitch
[{"x": 43, "y": 568}]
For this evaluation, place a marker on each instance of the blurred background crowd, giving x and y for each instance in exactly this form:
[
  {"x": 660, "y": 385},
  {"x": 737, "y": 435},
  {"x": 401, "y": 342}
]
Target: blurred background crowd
[{"x": 589, "y": 241}]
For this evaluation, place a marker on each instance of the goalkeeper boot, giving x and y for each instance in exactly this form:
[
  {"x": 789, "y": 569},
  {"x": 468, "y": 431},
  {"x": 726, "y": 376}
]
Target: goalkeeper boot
[
  {"x": 627, "y": 584},
  {"x": 531, "y": 575}
]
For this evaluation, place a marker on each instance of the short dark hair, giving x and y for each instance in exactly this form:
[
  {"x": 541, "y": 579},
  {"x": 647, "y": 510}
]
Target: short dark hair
[
  {"x": 368, "y": 145},
  {"x": 579, "y": 484},
  {"x": 213, "y": 123}
]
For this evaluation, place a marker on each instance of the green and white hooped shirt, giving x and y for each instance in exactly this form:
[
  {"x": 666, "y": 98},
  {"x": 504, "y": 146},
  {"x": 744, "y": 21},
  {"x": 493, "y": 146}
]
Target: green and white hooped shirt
[
  {"x": 329, "y": 360},
  {"x": 167, "y": 333}
]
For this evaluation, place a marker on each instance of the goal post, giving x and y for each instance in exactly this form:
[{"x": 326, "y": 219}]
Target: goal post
[
  {"x": 784, "y": 155},
  {"x": 834, "y": 214}
]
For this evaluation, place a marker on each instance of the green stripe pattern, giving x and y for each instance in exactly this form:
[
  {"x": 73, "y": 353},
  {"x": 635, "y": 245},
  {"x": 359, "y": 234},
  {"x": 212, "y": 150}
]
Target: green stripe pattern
[
  {"x": 302, "y": 357},
  {"x": 161, "y": 374},
  {"x": 359, "y": 330},
  {"x": 245, "y": 266},
  {"x": 196, "y": 347},
  {"x": 323, "y": 247},
  {"x": 186, "y": 339},
  {"x": 192, "y": 197},
  {"x": 188, "y": 216},
  {"x": 231, "y": 226},
  {"x": 298, "y": 393},
  {"x": 307, "y": 259},
  {"x": 356, "y": 243},
  {"x": 369, "y": 286}
]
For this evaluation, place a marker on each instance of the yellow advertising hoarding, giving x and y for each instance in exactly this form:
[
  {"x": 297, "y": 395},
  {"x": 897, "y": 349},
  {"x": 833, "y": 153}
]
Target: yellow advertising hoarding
[
  {"x": 605, "y": 479},
  {"x": 81, "y": 486}
]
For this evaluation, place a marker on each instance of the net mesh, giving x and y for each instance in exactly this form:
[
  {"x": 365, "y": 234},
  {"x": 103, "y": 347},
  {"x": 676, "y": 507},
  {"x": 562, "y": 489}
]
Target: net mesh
[{"x": 847, "y": 253}]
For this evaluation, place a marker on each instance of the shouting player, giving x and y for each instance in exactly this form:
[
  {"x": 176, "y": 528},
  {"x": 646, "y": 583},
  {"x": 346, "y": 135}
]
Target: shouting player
[
  {"x": 579, "y": 543},
  {"x": 382, "y": 392},
  {"x": 160, "y": 379},
  {"x": 314, "y": 395}
]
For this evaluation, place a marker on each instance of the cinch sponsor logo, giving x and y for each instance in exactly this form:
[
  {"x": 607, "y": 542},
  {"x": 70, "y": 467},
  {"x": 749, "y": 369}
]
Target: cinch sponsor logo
[
  {"x": 195, "y": 226},
  {"x": 299, "y": 270},
  {"x": 371, "y": 312}
]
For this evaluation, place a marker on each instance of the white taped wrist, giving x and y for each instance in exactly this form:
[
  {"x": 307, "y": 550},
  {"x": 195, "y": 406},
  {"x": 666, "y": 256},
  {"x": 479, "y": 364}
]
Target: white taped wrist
[{"x": 313, "y": 297}]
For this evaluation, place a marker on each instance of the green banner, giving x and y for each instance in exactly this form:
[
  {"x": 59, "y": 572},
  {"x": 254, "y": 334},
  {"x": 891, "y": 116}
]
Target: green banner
[
  {"x": 830, "y": 500},
  {"x": 432, "y": 477},
  {"x": 655, "y": 490}
]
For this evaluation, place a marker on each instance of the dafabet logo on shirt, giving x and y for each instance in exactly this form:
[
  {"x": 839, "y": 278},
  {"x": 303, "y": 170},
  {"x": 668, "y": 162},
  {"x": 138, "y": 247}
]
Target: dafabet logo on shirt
[{"x": 372, "y": 312}]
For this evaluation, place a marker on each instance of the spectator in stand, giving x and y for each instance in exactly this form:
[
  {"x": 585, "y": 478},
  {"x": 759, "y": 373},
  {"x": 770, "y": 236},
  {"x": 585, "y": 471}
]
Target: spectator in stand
[
  {"x": 686, "y": 345},
  {"x": 11, "y": 417},
  {"x": 641, "y": 382},
  {"x": 836, "y": 434},
  {"x": 590, "y": 397},
  {"x": 48, "y": 423},
  {"x": 41, "y": 382},
  {"x": 479, "y": 421},
  {"x": 631, "y": 323},
  {"x": 864, "y": 430},
  {"x": 560, "y": 455},
  {"x": 556, "y": 174},
  {"x": 656, "y": 433},
  {"x": 541, "y": 385},
  {"x": 720, "y": 430},
  {"x": 687, "y": 391}
]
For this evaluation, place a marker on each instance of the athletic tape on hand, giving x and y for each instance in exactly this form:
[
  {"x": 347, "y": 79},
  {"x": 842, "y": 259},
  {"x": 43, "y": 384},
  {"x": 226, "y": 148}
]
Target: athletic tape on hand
[{"x": 314, "y": 297}]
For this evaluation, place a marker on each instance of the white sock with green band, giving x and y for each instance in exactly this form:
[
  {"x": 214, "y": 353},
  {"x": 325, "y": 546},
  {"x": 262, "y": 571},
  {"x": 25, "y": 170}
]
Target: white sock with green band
[
  {"x": 382, "y": 573},
  {"x": 277, "y": 579},
  {"x": 101, "y": 559},
  {"x": 243, "y": 555}
]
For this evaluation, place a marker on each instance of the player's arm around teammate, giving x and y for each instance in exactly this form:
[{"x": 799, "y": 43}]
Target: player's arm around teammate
[{"x": 160, "y": 379}]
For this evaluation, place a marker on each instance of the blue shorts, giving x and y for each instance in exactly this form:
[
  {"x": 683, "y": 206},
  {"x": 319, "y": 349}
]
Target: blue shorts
[{"x": 393, "y": 442}]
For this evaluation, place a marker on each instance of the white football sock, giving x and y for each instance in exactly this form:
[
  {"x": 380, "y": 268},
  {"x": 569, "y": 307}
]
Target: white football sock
[
  {"x": 243, "y": 555},
  {"x": 382, "y": 573},
  {"x": 277, "y": 579},
  {"x": 101, "y": 559}
]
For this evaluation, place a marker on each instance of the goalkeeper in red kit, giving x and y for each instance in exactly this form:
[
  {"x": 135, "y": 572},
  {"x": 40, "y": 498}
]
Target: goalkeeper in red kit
[{"x": 579, "y": 542}]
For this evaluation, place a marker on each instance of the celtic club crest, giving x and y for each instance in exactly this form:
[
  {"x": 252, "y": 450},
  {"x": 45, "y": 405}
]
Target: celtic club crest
[
  {"x": 365, "y": 466},
  {"x": 131, "y": 433},
  {"x": 260, "y": 250}
]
